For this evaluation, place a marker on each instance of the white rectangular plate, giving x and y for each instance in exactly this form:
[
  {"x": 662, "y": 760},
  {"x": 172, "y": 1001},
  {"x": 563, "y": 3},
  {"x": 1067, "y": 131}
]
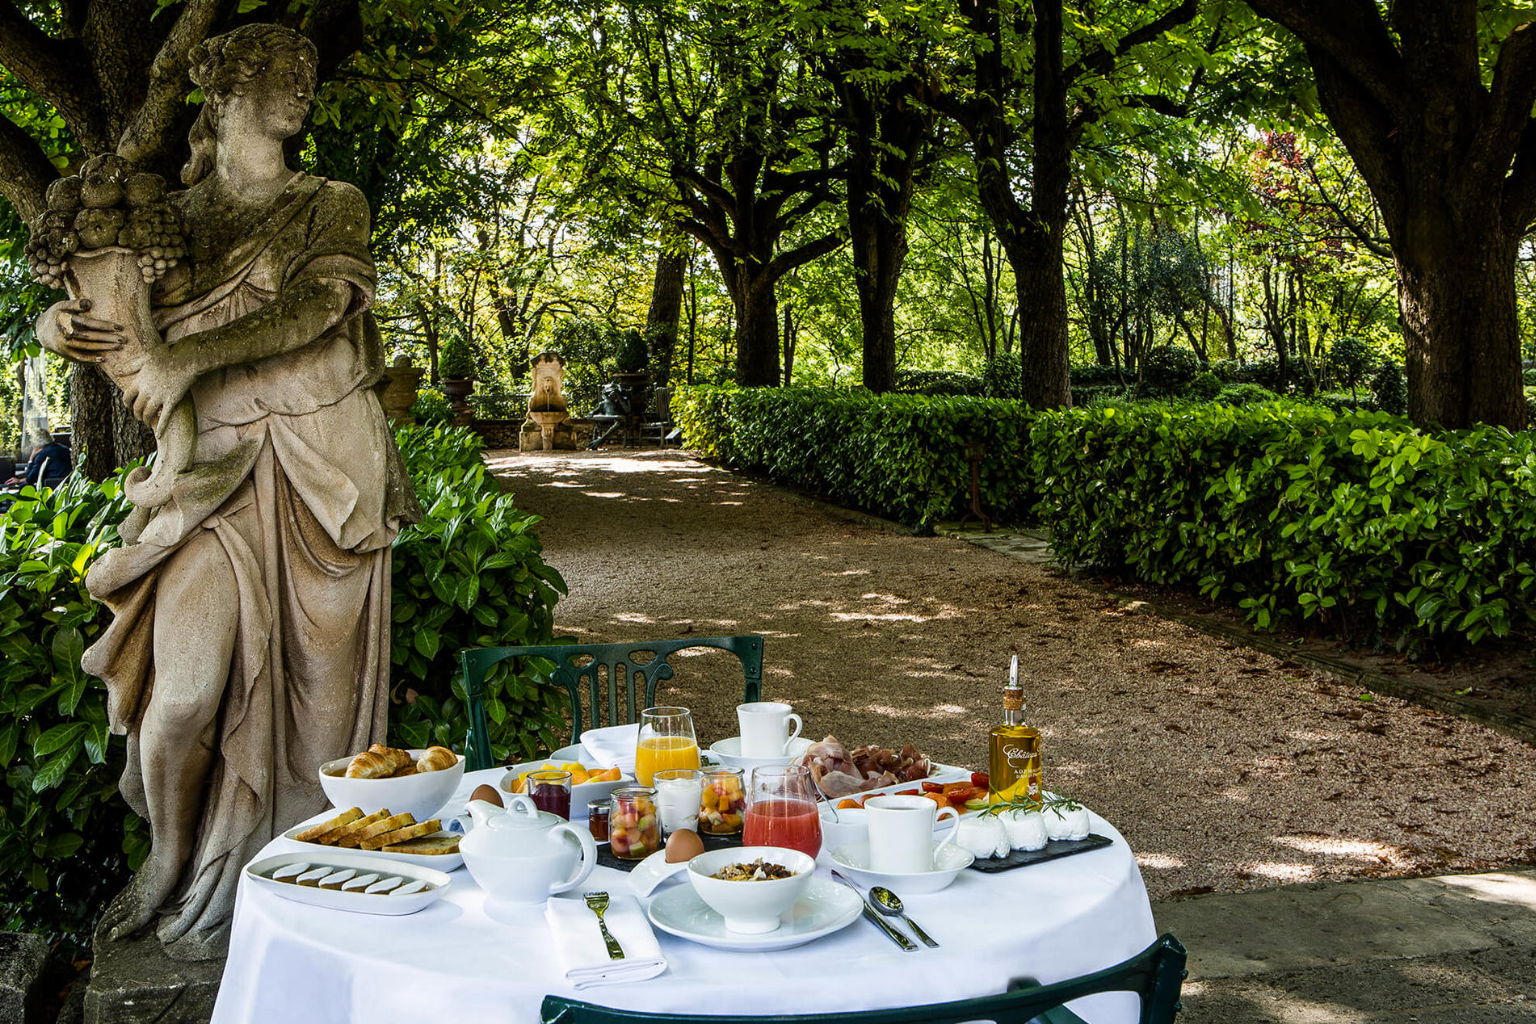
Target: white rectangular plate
[
  {"x": 436, "y": 861},
  {"x": 260, "y": 873},
  {"x": 939, "y": 773}
]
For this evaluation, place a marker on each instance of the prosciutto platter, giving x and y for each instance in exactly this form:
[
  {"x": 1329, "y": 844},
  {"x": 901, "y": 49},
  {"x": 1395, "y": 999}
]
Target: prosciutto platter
[{"x": 840, "y": 772}]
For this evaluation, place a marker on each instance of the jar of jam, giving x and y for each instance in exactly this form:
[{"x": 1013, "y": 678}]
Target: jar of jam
[
  {"x": 723, "y": 803},
  {"x": 634, "y": 829},
  {"x": 597, "y": 819}
]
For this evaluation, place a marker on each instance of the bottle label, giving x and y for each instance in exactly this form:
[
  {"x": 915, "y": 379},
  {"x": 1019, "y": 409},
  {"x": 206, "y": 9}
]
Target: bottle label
[{"x": 1018, "y": 757}]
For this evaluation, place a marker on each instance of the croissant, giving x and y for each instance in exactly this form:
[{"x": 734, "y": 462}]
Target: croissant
[
  {"x": 370, "y": 765},
  {"x": 436, "y": 759},
  {"x": 401, "y": 758}
]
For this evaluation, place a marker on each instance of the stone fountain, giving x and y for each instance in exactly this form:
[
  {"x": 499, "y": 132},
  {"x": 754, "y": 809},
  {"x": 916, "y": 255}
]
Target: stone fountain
[{"x": 548, "y": 426}]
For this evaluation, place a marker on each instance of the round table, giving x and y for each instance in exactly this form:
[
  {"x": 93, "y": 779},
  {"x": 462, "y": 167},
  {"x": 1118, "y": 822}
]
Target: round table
[{"x": 289, "y": 962}]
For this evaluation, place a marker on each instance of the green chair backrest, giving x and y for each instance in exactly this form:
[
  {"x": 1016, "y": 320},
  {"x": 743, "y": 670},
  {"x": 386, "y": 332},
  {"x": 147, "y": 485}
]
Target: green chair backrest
[
  {"x": 610, "y": 661},
  {"x": 1156, "y": 974}
]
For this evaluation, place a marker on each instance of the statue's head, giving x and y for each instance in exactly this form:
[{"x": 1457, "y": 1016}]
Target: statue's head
[{"x": 257, "y": 80}]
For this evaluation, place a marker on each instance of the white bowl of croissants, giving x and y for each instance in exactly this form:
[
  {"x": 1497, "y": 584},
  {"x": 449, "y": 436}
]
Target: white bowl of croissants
[{"x": 415, "y": 781}]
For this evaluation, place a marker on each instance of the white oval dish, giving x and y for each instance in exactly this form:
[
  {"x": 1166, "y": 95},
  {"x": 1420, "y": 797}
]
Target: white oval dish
[
  {"x": 824, "y": 908},
  {"x": 950, "y": 860},
  {"x": 728, "y": 753},
  {"x": 422, "y": 794},
  {"x": 259, "y": 873},
  {"x": 580, "y": 795},
  {"x": 437, "y": 861}
]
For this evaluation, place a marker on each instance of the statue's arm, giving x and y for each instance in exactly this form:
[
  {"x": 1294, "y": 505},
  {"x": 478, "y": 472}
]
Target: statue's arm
[{"x": 302, "y": 312}]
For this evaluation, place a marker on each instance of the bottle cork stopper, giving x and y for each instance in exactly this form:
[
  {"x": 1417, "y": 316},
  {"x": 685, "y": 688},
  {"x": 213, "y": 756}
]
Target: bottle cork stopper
[{"x": 1013, "y": 700}]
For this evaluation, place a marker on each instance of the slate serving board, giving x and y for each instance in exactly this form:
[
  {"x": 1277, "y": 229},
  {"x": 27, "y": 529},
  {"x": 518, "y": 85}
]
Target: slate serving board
[
  {"x": 606, "y": 858},
  {"x": 1054, "y": 849}
]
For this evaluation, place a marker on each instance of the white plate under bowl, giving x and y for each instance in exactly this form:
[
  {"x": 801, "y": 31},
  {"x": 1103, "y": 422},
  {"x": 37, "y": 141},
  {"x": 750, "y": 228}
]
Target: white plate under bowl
[
  {"x": 728, "y": 753},
  {"x": 949, "y": 861},
  {"x": 436, "y": 861},
  {"x": 580, "y": 795},
  {"x": 651, "y": 872},
  {"x": 825, "y": 908},
  {"x": 260, "y": 872}
]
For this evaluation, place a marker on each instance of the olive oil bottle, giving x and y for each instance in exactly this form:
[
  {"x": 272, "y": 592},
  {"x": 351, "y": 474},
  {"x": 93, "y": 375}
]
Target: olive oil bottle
[{"x": 1014, "y": 752}]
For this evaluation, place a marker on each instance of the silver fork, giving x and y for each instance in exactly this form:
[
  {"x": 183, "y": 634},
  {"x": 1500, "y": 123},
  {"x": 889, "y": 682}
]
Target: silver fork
[{"x": 597, "y": 902}]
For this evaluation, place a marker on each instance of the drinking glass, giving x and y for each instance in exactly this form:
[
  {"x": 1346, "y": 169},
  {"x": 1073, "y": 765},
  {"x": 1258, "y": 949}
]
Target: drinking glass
[
  {"x": 677, "y": 798},
  {"x": 782, "y": 811},
  {"x": 551, "y": 791},
  {"x": 666, "y": 741}
]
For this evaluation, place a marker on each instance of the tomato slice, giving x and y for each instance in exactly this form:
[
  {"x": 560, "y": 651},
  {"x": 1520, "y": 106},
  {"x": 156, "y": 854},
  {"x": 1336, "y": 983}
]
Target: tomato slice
[
  {"x": 932, "y": 787},
  {"x": 981, "y": 780}
]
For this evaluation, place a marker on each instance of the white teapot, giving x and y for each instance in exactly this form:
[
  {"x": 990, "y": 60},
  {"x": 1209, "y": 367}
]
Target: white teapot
[{"x": 519, "y": 855}]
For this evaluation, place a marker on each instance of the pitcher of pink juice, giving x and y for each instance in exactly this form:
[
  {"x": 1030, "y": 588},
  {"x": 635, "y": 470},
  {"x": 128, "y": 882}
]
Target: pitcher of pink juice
[{"x": 781, "y": 809}]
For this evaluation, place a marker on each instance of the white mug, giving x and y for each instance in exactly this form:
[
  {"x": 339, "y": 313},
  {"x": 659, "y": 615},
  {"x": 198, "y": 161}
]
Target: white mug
[
  {"x": 765, "y": 728},
  {"x": 901, "y": 833}
]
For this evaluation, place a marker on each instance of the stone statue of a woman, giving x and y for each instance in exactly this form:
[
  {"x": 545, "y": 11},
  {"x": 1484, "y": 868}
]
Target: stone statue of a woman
[{"x": 250, "y": 638}]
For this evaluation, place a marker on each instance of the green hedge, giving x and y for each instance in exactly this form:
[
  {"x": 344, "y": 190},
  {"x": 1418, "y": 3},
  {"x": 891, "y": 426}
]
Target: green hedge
[
  {"x": 1297, "y": 510},
  {"x": 1288, "y": 509},
  {"x": 470, "y": 574},
  {"x": 900, "y": 456}
]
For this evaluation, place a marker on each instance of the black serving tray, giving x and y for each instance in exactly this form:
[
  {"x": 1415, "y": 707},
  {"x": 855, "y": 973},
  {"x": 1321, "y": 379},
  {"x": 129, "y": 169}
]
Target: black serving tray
[
  {"x": 1053, "y": 850},
  {"x": 606, "y": 858}
]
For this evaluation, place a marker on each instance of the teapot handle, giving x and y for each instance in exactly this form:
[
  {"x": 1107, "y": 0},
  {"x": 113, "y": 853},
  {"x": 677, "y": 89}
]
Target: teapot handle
[
  {"x": 588, "y": 855},
  {"x": 522, "y": 802}
]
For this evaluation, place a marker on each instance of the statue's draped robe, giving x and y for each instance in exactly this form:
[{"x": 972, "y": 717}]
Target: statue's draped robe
[{"x": 297, "y": 478}]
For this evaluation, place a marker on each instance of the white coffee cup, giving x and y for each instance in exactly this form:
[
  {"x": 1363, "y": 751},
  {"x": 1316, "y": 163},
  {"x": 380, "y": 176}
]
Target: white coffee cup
[
  {"x": 765, "y": 728},
  {"x": 901, "y": 833}
]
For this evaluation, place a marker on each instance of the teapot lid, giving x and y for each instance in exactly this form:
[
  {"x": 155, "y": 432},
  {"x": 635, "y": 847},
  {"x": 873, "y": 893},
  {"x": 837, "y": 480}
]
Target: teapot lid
[{"x": 521, "y": 815}]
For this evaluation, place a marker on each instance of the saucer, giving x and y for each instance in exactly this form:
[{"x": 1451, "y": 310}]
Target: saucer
[
  {"x": 825, "y": 908},
  {"x": 728, "y": 753},
  {"x": 950, "y": 861}
]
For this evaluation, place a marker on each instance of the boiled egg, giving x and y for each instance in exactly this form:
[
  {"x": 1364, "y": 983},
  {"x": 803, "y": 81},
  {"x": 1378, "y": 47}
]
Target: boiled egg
[
  {"x": 683, "y": 845},
  {"x": 488, "y": 794}
]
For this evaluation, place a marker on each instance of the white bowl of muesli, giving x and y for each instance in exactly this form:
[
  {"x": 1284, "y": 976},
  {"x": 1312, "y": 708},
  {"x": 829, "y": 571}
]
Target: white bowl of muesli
[{"x": 751, "y": 887}]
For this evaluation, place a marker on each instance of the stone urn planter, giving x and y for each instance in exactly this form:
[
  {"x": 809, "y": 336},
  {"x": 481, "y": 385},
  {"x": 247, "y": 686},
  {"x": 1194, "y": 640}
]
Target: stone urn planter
[
  {"x": 397, "y": 391},
  {"x": 458, "y": 390}
]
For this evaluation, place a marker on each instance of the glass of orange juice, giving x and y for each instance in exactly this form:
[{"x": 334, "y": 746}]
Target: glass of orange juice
[{"x": 666, "y": 741}]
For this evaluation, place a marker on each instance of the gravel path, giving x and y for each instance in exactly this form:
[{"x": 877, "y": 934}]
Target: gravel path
[{"x": 1225, "y": 769}]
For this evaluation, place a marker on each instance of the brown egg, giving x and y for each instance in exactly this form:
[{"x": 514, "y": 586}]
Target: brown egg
[
  {"x": 488, "y": 794},
  {"x": 683, "y": 845}
]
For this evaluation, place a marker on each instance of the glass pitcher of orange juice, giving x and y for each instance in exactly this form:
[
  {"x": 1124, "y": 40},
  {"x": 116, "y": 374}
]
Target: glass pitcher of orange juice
[{"x": 666, "y": 741}]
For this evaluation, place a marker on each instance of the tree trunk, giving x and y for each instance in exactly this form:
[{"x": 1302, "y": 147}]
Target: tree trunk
[
  {"x": 105, "y": 434},
  {"x": 877, "y": 281},
  {"x": 1461, "y": 332},
  {"x": 1043, "y": 334},
  {"x": 757, "y": 334},
  {"x": 666, "y": 309}
]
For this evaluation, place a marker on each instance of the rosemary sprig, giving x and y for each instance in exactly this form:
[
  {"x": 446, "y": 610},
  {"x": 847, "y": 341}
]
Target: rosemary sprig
[{"x": 1053, "y": 802}]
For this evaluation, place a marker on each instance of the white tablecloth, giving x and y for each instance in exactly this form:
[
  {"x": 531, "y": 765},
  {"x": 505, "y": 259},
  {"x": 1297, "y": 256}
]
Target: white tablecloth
[{"x": 291, "y": 963}]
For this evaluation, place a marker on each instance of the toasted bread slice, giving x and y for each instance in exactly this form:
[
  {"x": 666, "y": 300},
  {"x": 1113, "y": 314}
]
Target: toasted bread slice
[
  {"x": 400, "y": 835},
  {"x": 336, "y": 835},
  {"x": 314, "y": 832},
  {"x": 378, "y": 828},
  {"x": 443, "y": 843}
]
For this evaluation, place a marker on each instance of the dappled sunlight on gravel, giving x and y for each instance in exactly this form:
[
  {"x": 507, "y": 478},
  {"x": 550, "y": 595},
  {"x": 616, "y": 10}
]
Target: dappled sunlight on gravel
[{"x": 1226, "y": 769}]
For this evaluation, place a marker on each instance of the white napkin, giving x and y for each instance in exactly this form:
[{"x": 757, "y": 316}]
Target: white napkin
[
  {"x": 613, "y": 745},
  {"x": 582, "y": 952}
]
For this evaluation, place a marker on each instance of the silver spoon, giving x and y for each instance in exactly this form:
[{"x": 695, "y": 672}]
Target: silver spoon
[{"x": 890, "y": 905}]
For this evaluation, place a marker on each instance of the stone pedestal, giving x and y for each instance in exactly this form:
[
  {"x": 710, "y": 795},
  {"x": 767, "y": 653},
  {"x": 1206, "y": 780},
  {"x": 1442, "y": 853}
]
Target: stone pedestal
[
  {"x": 134, "y": 982},
  {"x": 547, "y": 432},
  {"x": 23, "y": 957}
]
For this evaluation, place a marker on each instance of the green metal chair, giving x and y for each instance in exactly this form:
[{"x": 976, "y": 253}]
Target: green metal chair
[
  {"x": 610, "y": 657},
  {"x": 1156, "y": 974}
]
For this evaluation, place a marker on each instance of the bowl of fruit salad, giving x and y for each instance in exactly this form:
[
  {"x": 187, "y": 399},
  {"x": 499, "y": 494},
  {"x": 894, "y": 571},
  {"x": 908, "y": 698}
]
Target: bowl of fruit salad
[{"x": 588, "y": 782}]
